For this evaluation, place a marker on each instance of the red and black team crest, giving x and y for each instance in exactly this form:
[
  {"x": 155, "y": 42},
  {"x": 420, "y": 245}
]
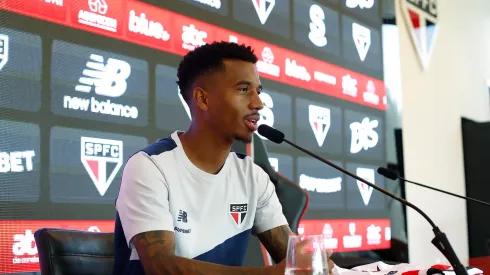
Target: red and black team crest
[
  {"x": 421, "y": 19},
  {"x": 238, "y": 211},
  {"x": 102, "y": 158}
]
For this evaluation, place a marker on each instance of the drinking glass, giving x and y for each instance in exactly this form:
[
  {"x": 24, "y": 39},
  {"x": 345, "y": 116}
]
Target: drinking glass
[{"x": 307, "y": 255}]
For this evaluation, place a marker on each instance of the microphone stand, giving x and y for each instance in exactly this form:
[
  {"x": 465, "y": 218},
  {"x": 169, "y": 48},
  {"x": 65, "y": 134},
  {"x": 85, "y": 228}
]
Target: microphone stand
[
  {"x": 445, "y": 192},
  {"x": 440, "y": 240}
]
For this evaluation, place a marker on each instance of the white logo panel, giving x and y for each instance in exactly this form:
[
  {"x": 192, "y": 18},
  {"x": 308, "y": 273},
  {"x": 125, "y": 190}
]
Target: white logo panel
[
  {"x": 362, "y": 39},
  {"x": 266, "y": 114},
  {"x": 365, "y": 190},
  {"x": 186, "y": 107},
  {"x": 263, "y": 9},
  {"x": 362, "y": 4},
  {"x": 96, "y": 17},
  {"x": 4, "y": 50},
  {"x": 17, "y": 161},
  {"x": 193, "y": 37},
  {"x": 317, "y": 26},
  {"x": 319, "y": 118},
  {"x": 97, "y": 155},
  {"x": 363, "y": 135},
  {"x": 109, "y": 79}
]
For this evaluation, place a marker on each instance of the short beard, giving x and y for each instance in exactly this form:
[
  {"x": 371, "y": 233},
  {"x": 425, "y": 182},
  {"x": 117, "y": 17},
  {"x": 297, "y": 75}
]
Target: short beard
[{"x": 244, "y": 140}]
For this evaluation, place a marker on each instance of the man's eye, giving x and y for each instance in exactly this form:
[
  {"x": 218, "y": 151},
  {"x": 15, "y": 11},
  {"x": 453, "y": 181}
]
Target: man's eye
[{"x": 243, "y": 90}]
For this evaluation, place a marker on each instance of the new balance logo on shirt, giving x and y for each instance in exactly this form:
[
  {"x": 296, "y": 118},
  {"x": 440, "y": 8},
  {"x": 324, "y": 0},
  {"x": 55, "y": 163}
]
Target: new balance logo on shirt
[{"x": 182, "y": 216}]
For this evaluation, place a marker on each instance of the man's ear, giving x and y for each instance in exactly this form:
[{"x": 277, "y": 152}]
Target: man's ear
[{"x": 201, "y": 98}]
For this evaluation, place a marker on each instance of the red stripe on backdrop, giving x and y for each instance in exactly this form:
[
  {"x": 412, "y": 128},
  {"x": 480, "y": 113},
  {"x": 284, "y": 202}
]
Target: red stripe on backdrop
[
  {"x": 482, "y": 263},
  {"x": 18, "y": 251},
  {"x": 149, "y": 26}
]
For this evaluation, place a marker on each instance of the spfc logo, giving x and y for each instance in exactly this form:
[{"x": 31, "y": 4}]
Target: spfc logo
[
  {"x": 4, "y": 50},
  {"x": 102, "y": 158},
  {"x": 263, "y": 8},
  {"x": 365, "y": 190},
  {"x": 421, "y": 20},
  {"x": 238, "y": 211},
  {"x": 320, "y": 122},
  {"x": 362, "y": 39}
]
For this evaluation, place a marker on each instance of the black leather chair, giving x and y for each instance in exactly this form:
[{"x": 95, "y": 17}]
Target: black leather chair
[
  {"x": 72, "y": 252},
  {"x": 294, "y": 201}
]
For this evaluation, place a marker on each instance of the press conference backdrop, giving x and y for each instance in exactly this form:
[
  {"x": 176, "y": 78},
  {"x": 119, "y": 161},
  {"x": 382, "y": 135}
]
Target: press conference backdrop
[{"x": 86, "y": 83}]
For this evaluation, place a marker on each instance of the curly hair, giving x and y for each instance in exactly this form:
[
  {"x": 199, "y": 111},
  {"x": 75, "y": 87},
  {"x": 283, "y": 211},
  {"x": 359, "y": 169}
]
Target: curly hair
[{"x": 209, "y": 58}]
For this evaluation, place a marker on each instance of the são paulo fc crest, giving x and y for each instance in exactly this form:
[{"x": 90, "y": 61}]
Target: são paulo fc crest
[
  {"x": 238, "y": 211},
  {"x": 422, "y": 23},
  {"x": 102, "y": 158}
]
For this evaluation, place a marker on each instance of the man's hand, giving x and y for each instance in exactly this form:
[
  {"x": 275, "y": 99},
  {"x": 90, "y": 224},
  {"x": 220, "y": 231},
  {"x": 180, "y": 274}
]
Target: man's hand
[{"x": 276, "y": 243}]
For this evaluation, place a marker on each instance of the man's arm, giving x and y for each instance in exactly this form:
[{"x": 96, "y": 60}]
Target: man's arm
[
  {"x": 156, "y": 252},
  {"x": 275, "y": 241}
]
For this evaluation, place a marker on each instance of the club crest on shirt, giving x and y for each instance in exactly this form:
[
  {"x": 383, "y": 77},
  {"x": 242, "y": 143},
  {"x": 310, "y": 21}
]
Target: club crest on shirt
[{"x": 238, "y": 211}]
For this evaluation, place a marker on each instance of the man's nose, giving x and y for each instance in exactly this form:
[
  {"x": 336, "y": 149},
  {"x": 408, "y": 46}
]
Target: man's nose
[{"x": 256, "y": 102}]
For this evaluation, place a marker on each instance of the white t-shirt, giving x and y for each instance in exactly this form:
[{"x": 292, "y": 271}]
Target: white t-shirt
[{"x": 211, "y": 215}]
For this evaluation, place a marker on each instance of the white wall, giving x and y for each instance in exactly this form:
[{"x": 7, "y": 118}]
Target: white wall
[{"x": 433, "y": 103}]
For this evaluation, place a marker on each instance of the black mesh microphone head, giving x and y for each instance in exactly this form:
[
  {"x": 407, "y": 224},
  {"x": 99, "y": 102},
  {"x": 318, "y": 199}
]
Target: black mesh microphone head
[
  {"x": 271, "y": 134},
  {"x": 392, "y": 175}
]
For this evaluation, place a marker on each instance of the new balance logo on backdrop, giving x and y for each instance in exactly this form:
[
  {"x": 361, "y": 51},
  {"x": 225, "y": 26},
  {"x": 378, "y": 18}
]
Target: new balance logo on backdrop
[
  {"x": 102, "y": 158},
  {"x": 4, "y": 50},
  {"x": 107, "y": 79}
]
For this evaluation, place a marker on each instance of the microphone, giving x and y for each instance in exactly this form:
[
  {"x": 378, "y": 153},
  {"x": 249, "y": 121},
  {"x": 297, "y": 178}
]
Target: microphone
[
  {"x": 440, "y": 240},
  {"x": 393, "y": 175}
]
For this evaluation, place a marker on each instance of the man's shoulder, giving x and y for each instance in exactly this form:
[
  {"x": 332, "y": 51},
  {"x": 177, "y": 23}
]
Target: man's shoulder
[
  {"x": 155, "y": 153},
  {"x": 160, "y": 146}
]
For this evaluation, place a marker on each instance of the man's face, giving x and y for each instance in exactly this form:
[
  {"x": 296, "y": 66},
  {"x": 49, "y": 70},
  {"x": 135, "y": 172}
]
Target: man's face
[{"x": 234, "y": 100}]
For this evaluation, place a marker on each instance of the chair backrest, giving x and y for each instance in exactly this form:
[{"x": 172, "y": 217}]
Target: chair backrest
[
  {"x": 74, "y": 252},
  {"x": 294, "y": 199}
]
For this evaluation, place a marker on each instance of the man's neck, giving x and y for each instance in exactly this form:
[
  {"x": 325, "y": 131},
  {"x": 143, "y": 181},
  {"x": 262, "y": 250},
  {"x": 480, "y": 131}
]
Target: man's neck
[{"x": 205, "y": 149}]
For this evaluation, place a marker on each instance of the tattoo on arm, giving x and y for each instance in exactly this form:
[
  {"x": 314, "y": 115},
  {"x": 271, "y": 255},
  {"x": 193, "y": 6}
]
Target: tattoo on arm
[
  {"x": 276, "y": 241},
  {"x": 153, "y": 248},
  {"x": 156, "y": 250}
]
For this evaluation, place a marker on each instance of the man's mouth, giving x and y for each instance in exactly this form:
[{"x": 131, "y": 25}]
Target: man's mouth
[{"x": 251, "y": 122}]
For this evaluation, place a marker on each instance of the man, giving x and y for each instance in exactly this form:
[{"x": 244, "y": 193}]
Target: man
[{"x": 176, "y": 198}]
